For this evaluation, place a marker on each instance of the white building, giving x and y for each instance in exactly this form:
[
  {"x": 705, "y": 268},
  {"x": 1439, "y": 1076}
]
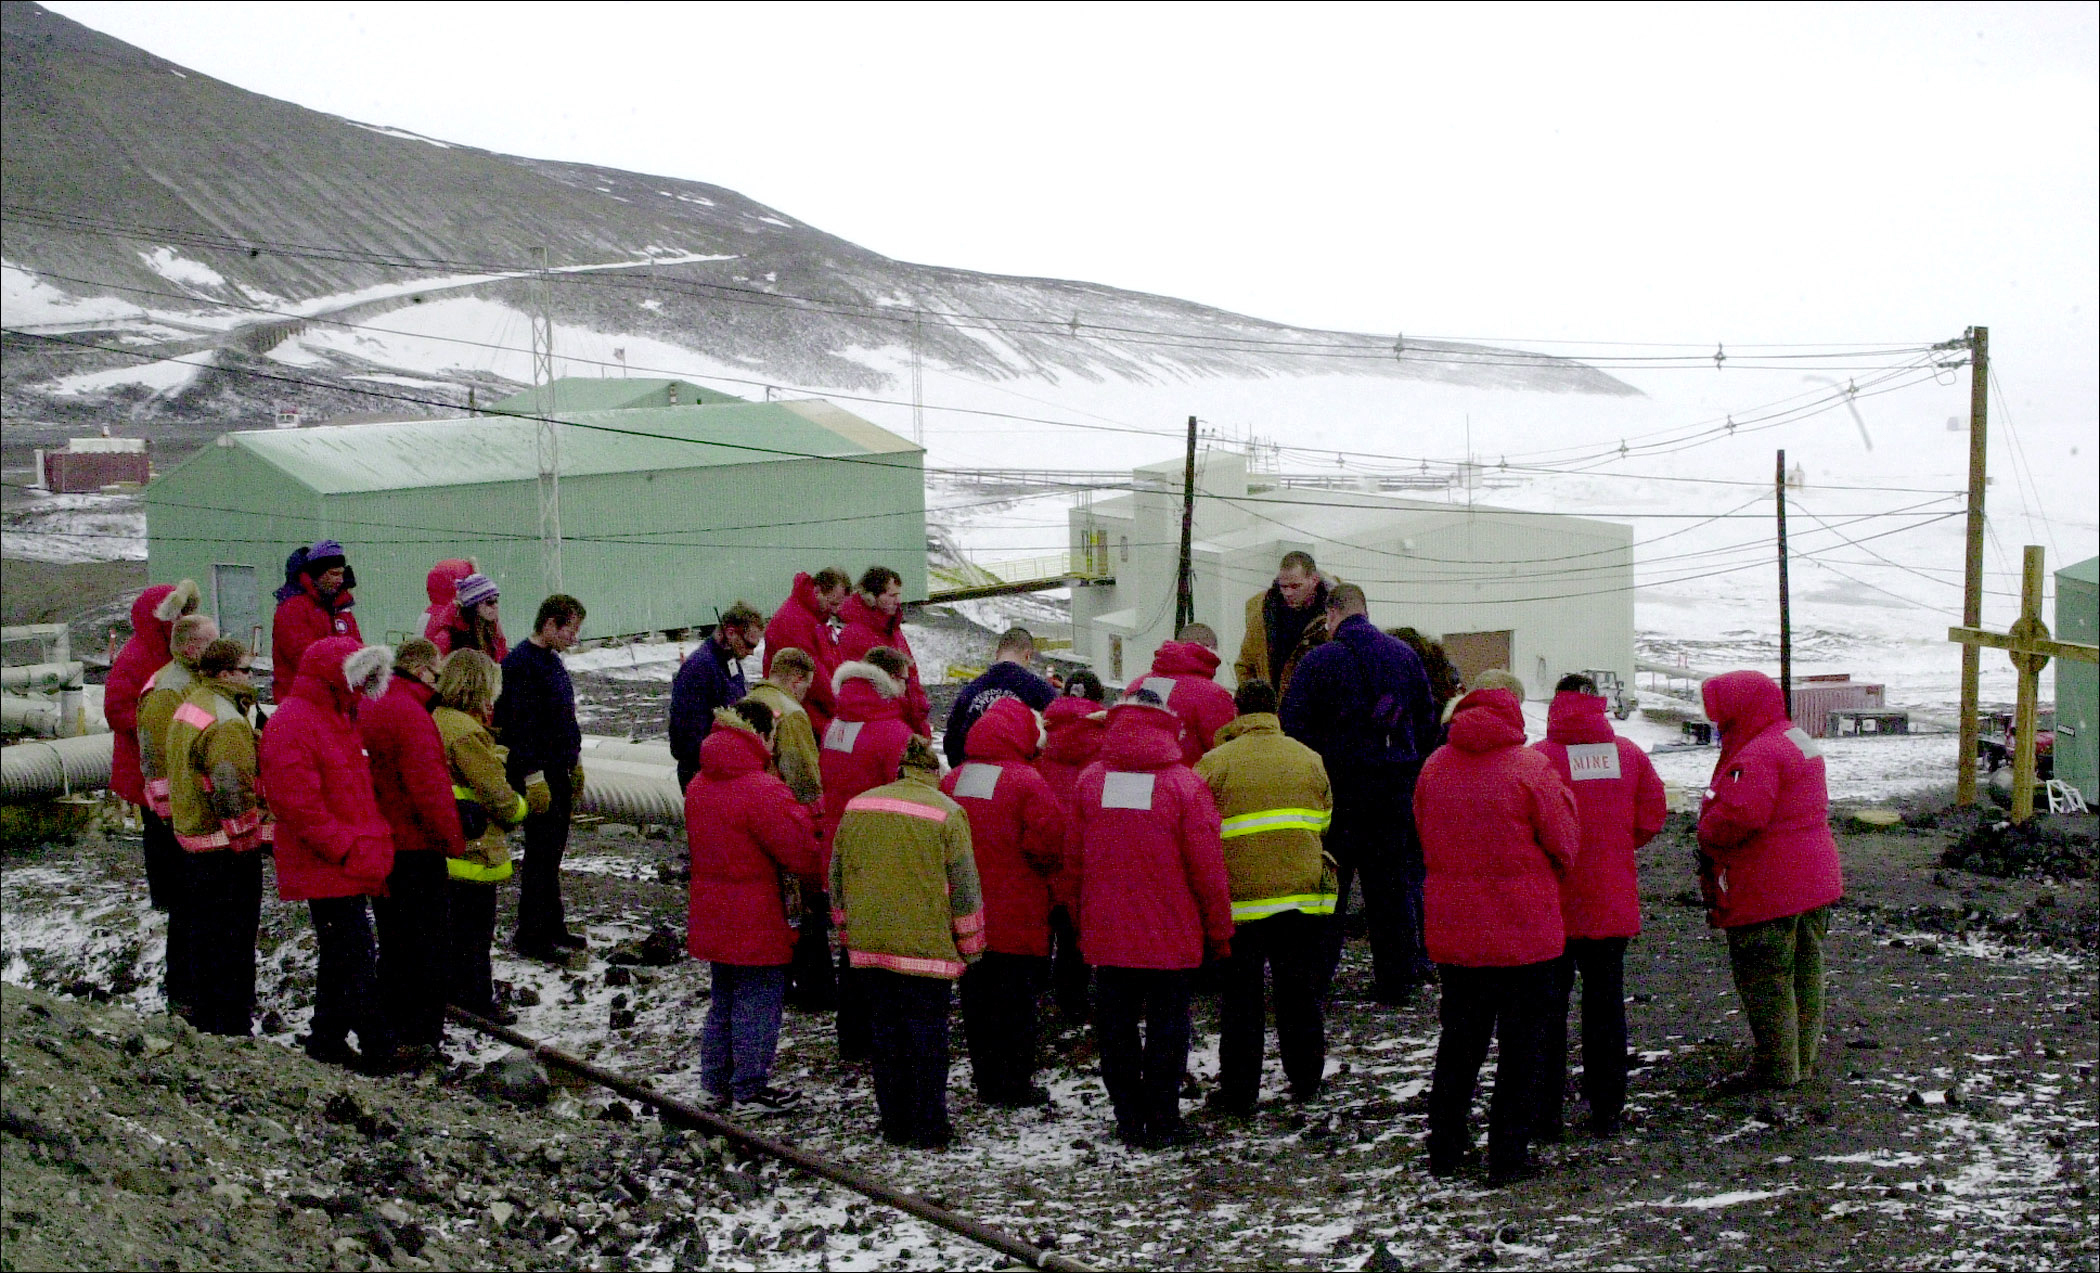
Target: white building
[{"x": 1541, "y": 594}]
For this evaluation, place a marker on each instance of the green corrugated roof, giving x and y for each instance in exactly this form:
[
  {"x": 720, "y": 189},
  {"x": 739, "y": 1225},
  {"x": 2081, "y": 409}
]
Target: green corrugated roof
[
  {"x": 422, "y": 453},
  {"x": 590, "y": 393},
  {"x": 2087, "y": 571}
]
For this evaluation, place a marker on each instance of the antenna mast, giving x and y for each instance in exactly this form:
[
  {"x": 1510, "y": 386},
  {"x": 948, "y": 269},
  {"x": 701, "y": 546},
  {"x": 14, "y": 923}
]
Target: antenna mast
[{"x": 548, "y": 441}]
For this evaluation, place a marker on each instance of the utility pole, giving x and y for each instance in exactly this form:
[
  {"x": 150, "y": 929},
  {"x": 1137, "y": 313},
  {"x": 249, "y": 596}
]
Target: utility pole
[
  {"x": 1185, "y": 580},
  {"x": 1786, "y": 614},
  {"x": 1972, "y": 572},
  {"x": 918, "y": 377},
  {"x": 547, "y": 442}
]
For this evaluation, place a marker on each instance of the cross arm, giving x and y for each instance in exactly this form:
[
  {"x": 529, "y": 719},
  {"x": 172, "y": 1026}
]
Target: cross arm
[{"x": 2070, "y": 650}]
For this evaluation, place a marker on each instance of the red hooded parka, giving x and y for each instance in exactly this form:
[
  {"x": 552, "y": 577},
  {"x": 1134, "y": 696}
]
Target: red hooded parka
[
  {"x": 1184, "y": 676},
  {"x": 1764, "y": 829},
  {"x": 143, "y": 655},
  {"x": 410, "y": 776},
  {"x": 744, "y": 828},
  {"x": 302, "y": 620},
  {"x": 1621, "y": 804},
  {"x": 1017, "y": 827},
  {"x": 800, "y": 624},
  {"x": 864, "y": 745},
  {"x": 866, "y": 627},
  {"x": 332, "y": 841},
  {"x": 1146, "y": 833},
  {"x": 1498, "y": 831},
  {"x": 1074, "y": 728},
  {"x": 441, "y": 586}
]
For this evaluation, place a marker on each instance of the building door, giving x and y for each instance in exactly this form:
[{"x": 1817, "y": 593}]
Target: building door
[
  {"x": 237, "y": 604},
  {"x": 1475, "y": 652}
]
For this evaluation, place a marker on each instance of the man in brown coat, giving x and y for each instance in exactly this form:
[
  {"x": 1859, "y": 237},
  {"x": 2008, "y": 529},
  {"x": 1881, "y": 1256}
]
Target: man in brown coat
[{"x": 1283, "y": 623}]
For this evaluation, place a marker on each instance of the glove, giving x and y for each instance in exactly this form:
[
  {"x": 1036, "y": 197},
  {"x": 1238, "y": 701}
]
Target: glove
[
  {"x": 576, "y": 780},
  {"x": 1218, "y": 951},
  {"x": 539, "y": 797},
  {"x": 371, "y": 858}
]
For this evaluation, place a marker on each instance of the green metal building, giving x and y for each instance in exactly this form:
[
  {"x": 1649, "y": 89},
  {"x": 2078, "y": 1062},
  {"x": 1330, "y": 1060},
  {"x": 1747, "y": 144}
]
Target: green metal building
[
  {"x": 668, "y": 513},
  {"x": 2078, "y": 684},
  {"x": 590, "y": 393}
]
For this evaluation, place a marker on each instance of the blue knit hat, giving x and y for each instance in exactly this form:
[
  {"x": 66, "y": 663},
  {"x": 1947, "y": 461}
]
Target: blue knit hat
[
  {"x": 475, "y": 589},
  {"x": 324, "y": 557}
]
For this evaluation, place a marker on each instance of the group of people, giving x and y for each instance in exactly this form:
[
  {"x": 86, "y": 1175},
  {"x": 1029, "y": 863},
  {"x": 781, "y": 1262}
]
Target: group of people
[{"x": 1096, "y": 852}]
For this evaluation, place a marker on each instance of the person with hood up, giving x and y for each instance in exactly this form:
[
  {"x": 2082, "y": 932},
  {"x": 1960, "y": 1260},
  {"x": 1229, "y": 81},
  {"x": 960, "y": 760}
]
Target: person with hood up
[
  {"x": 1007, "y": 677},
  {"x": 476, "y": 622},
  {"x": 1184, "y": 675},
  {"x": 1362, "y": 701},
  {"x": 862, "y": 748},
  {"x": 812, "y": 982},
  {"x": 711, "y": 678},
  {"x": 216, "y": 808},
  {"x": 536, "y": 718},
  {"x": 1621, "y": 805},
  {"x": 1153, "y": 903},
  {"x": 1073, "y": 727},
  {"x": 906, "y": 901},
  {"x": 153, "y": 615},
  {"x": 1768, "y": 866},
  {"x": 1273, "y": 797},
  {"x": 441, "y": 585},
  {"x": 1017, "y": 832},
  {"x": 156, "y": 709},
  {"x": 803, "y": 622},
  {"x": 747, "y": 834},
  {"x": 1283, "y": 624},
  {"x": 414, "y": 787},
  {"x": 488, "y": 808},
  {"x": 875, "y": 616},
  {"x": 312, "y": 605},
  {"x": 333, "y": 846},
  {"x": 1499, "y": 830}
]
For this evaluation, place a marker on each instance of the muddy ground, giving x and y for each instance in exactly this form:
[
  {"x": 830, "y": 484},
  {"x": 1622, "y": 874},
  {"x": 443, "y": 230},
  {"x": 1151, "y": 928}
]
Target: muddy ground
[{"x": 1954, "y": 1125}]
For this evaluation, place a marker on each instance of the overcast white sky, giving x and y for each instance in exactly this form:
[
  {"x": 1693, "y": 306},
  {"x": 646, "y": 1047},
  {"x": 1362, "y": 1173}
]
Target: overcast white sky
[{"x": 1529, "y": 172}]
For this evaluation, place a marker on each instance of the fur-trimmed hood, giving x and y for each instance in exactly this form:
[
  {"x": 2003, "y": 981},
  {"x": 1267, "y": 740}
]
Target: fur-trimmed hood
[
  {"x": 880, "y": 681},
  {"x": 182, "y": 599},
  {"x": 334, "y": 671}
]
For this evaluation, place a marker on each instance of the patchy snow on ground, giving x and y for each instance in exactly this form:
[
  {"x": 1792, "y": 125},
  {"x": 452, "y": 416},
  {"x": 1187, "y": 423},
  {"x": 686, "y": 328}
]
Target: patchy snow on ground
[
  {"x": 176, "y": 268},
  {"x": 75, "y": 528}
]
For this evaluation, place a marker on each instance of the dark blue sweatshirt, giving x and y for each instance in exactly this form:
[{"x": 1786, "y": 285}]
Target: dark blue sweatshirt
[
  {"x": 1000, "y": 680},
  {"x": 536, "y": 716}
]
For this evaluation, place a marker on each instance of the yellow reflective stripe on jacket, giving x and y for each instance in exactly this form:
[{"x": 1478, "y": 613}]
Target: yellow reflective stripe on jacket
[
  {"x": 462, "y": 869},
  {"x": 1314, "y": 820},
  {"x": 1263, "y": 907}
]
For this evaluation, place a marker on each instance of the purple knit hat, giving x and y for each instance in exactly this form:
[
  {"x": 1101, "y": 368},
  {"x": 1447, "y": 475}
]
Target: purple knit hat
[{"x": 475, "y": 589}]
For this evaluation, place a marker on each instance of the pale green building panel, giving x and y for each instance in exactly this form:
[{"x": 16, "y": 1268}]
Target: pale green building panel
[{"x": 2078, "y": 684}]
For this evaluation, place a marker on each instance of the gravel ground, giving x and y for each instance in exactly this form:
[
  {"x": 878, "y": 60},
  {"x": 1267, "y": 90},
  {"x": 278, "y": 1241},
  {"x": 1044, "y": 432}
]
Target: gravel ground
[{"x": 1954, "y": 1125}]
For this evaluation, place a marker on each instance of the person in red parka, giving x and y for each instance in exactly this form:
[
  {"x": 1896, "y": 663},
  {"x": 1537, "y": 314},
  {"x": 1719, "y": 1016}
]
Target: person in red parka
[
  {"x": 1073, "y": 727},
  {"x": 1183, "y": 674},
  {"x": 1620, "y": 802},
  {"x": 333, "y": 846},
  {"x": 803, "y": 622},
  {"x": 1017, "y": 832},
  {"x": 153, "y": 616},
  {"x": 1153, "y": 902},
  {"x": 861, "y": 750},
  {"x": 1768, "y": 865},
  {"x": 1498, "y": 831},
  {"x": 441, "y": 586},
  {"x": 413, "y": 783},
  {"x": 316, "y": 608},
  {"x": 875, "y": 616},
  {"x": 747, "y": 834}
]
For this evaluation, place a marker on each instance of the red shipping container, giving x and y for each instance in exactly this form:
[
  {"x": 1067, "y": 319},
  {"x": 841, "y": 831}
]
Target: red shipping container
[
  {"x": 1815, "y": 697},
  {"x": 85, "y": 472}
]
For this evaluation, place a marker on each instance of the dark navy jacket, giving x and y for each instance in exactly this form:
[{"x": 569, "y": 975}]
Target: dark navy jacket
[
  {"x": 707, "y": 679},
  {"x": 536, "y": 715},
  {"x": 1362, "y": 701},
  {"x": 1000, "y": 680}
]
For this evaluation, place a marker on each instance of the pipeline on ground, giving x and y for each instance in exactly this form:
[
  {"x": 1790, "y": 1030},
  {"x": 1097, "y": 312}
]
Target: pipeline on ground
[{"x": 859, "y": 1182}]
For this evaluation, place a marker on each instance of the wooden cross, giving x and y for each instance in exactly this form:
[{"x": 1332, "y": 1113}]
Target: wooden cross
[{"x": 2031, "y": 648}]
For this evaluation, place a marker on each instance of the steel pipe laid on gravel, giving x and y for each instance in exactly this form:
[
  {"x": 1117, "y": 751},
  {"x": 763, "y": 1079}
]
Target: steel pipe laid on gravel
[
  {"x": 997, "y": 1239},
  {"x": 47, "y": 770}
]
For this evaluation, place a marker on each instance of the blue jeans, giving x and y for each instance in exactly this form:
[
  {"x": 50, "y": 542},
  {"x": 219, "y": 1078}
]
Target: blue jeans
[{"x": 742, "y": 1030}]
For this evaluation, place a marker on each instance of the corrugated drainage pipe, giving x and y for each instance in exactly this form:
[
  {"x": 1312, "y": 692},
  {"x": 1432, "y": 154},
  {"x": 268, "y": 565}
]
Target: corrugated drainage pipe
[
  {"x": 631, "y": 782},
  {"x": 47, "y": 770}
]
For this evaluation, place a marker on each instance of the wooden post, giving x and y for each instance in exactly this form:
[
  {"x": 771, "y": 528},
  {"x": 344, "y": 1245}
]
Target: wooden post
[
  {"x": 1786, "y": 616},
  {"x": 1185, "y": 580},
  {"x": 2031, "y": 648},
  {"x": 1972, "y": 570}
]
